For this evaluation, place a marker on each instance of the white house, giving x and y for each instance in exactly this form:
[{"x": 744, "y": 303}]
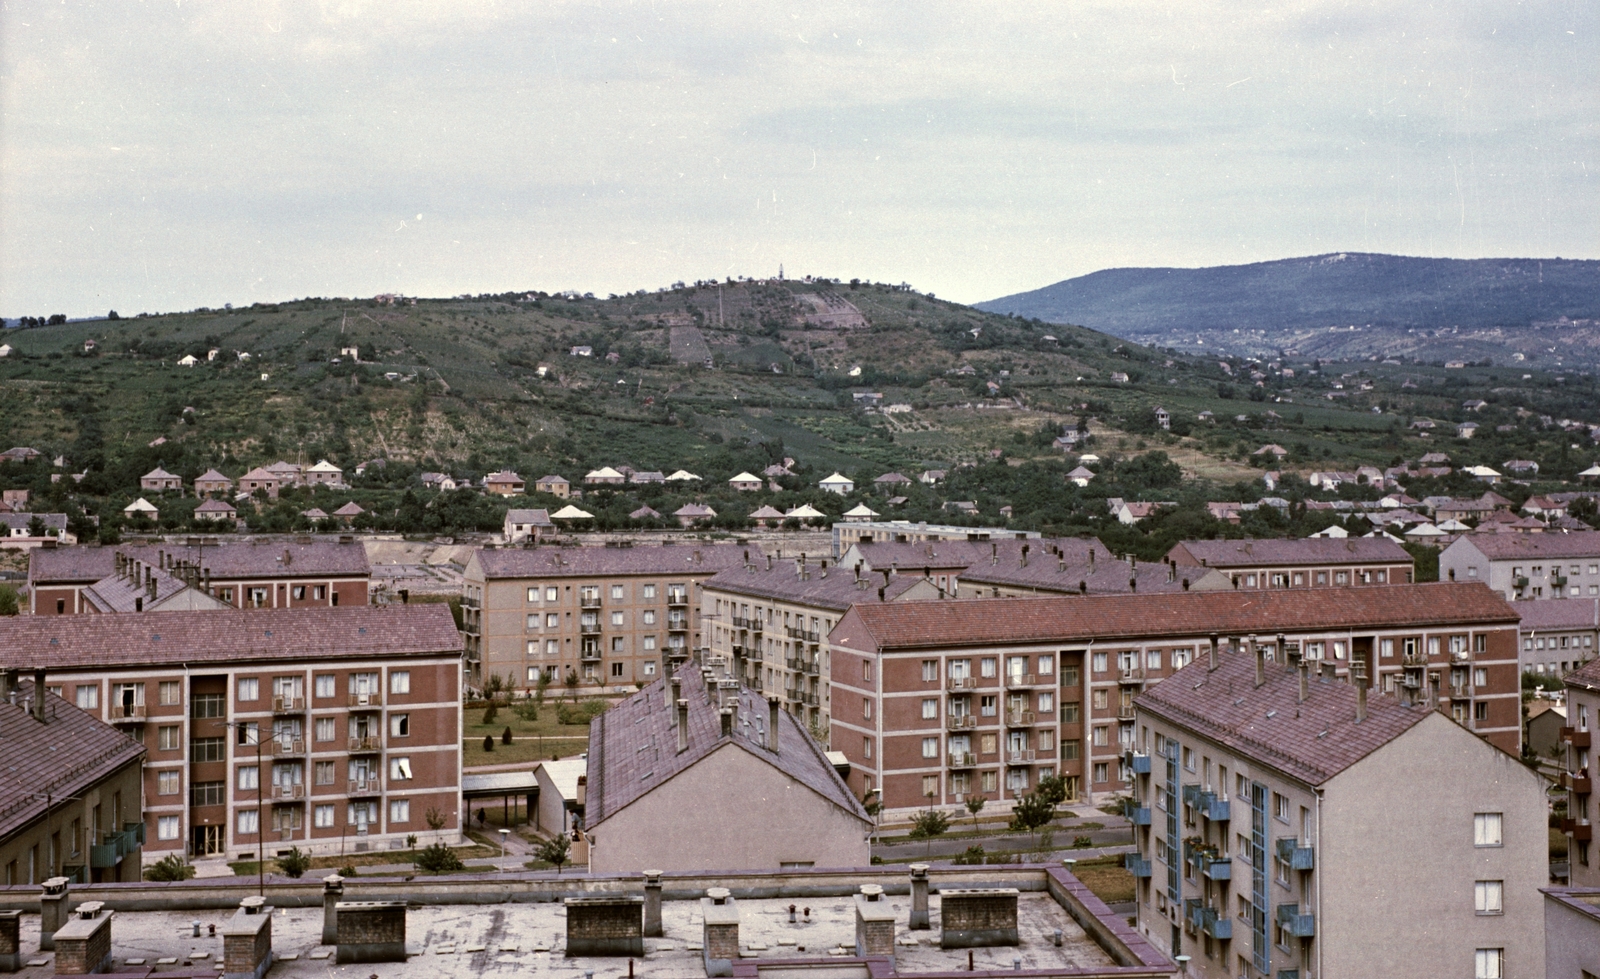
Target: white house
[
  {"x": 683, "y": 476},
  {"x": 745, "y": 482},
  {"x": 804, "y": 511},
  {"x": 188, "y": 360},
  {"x": 860, "y": 513},
  {"x": 141, "y": 508},
  {"x": 837, "y": 483},
  {"x": 5, "y": 349}
]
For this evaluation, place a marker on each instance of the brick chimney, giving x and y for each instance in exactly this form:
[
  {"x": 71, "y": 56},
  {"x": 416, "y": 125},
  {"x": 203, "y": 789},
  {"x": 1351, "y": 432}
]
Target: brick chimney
[
  {"x": 1360, "y": 670},
  {"x": 772, "y": 724},
  {"x": 38, "y": 695},
  {"x": 683, "y": 725},
  {"x": 1261, "y": 661}
]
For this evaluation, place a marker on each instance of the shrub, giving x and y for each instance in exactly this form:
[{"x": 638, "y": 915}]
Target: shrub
[
  {"x": 580, "y": 713},
  {"x": 505, "y": 736},
  {"x": 348, "y": 870},
  {"x": 169, "y": 868},
  {"x": 488, "y": 742},
  {"x": 436, "y": 858},
  {"x": 294, "y": 863},
  {"x": 972, "y": 855},
  {"x": 555, "y": 850},
  {"x": 930, "y": 822}
]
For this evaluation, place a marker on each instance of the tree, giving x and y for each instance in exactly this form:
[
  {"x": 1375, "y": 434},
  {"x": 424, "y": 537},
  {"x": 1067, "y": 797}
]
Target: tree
[
  {"x": 294, "y": 863},
  {"x": 1032, "y": 812},
  {"x": 436, "y": 858},
  {"x": 974, "y": 806},
  {"x": 171, "y": 867},
  {"x": 545, "y": 676},
  {"x": 571, "y": 683},
  {"x": 8, "y": 600},
  {"x": 928, "y": 824},
  {"x": 555, "y": 850}
]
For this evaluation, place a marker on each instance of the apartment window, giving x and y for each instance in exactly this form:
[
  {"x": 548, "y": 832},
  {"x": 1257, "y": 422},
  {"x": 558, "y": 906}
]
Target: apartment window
[
  {"x": 1069, "y": 713},
  {"x": 399, "y": 725},
  {"x": 988, "y": 744},
  {"x": 649, "y": 668},
  {"x": 1480, "y": 710},
  {"x": 249, "y": 777},
  {"x": 248, "y": 733},
  {"x": 616, "y": 671},
  {"x": 206, "y": 705},
  {"x": 1101, "y": 699},
  {"x": 168, "y": 783},
  {"x": 206, "y": 793},
  {"x": 1069, "y": 676},
  {"x": 167, "y": 738},
  {"x": 88, "y": 697},
  {"x": 207, "y": 749},
  {"x": 399, "y": 681},
  {"x": 960, "y": 669},
  {"x": 170, "y": 693},
  {"x": 649, "y": 617},
  {"x": 249, "y": 821},
  {"x": 866, "y": 670},
  {"x": 1490, "y": 963},
  {"x": 1102, "y": 737},
  {"x": 616, "y": 618},
  {"x": 649, "y": 642},
  {"x": 649, "y": 591},
  {"x": 400, "y": 811},
  {"x": 988, "y": 666},
  {"x": 866, "y": 709},
  {"x": 1486, "y": 897},
  {"x": 866, "y": 747},
  {"x": 1480, "y": 677},
  {"x": 991, "y": 781},
  {"x": 1152, "y": 659},
  {"x": 618, "y": 645},
  {"x": 1486, "y": 829},
  {"x": 930, "y": 670},
  {"x": 1188, "y": 759},
  {"x": 399, "y": 769},
  {"x": 325, "y": 772},
  {"x": 1070, "y": 750},
  {"x": 1102, "y": 772},
  {"x": 1280, "y": 805},
  {"x": 249, "y": 688},
  {"x": 930, "y": 708},
  {"x": 988, "y": 706},
  {"x": 326, "y": 729},
  {"x": 324, "y": 684},
  {"x": 1480, "y": 643},
  {"x": 322, "y": 817},
  {"x": 1047, "y": 703},
  {"x": 616, "y": 592},
  {"x": 930, "y": 747},
  {"x": 1047, "y": 740},
  {"x": 1386, "y": 648}
]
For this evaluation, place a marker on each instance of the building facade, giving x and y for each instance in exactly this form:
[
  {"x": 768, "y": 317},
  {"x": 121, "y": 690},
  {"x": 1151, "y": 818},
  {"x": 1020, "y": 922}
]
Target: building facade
[
  {"x": 1558, "y": 637},
  {"x": 949, "y": 699},
  {"x": 1262, "y": 789},
  {"x": 597, "y": 616},
  {"x": 1315, "y": 562},
  {"x": 255, "y": 575},
  {"x": 1577, "y": 777},
  {"x": 1527, "y": 566},
  {"x": 334, "y": 731},
  {"x": 907, "y": 532}
]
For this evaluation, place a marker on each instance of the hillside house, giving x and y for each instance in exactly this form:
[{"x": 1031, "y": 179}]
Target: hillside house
[
  {"x": 837, "y": 483},
  {"x": 527, "y": 524},
  {"x": 647, "y": 476},
  {"x": 211, "y": 482},
  {"x": 1080, "y": 476},
  {"x": 1163, "y": 418},
  {"x": 690, "y": 512},
  {"x": 891, "y": 481},
  {"x": 141, "y": 508},
  {"x": 260, "y": 479},
  {"x": 324, "y": 473},
  {"x": 554, "y": 485},
  {"x": 683, "y": 476},
  {"x": 348, "y": 513},
  {"x": 1272, "y": 449},
  {"x": 215, "y": 511},
  {"x": 1466, "y": 430},
  {"x": 188, "y": 360},
  {"x": 23, "y": 531},
  {"x": 745, "y": 483},
  {"x": 158, "y": 480},
  {"x": 931, "y": 477},
  {"x": 860, "y": 513},
  {"x": 604, "y": 476},
  {"x": 505, "y": 483}
]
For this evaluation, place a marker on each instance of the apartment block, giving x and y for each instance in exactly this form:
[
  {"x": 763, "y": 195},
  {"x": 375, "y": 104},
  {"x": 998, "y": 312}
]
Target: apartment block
[
  {"x": 942, "y": 700},
  {"x": 70, "y": 806},
  {"x": 1558, "y": 637},
  {"x": 772, "y": 620},
  {"x": 603, "y": 616},
  {"x": 1527, "y": 566},
  {"x": 907, "y": 532},
  {"x": 1315, "y": 562},
  {"x": 1577, "y": 776},
  {"x": 336, "y": 731},
  {"x": 305, "y": 573},
  {"x": 1274, "y": 804}
]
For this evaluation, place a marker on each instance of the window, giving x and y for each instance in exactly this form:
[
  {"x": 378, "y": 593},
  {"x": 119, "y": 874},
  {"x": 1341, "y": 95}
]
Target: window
[
  {"x": 249, "y": 777},
  {"x": 991, "y": 781},
  {"x": 930, "y": 670},
  {"x": 1188, "y": 759},
  {"x": 1480, "y": 710},
  {"x": 1102, "y": 737},
  {"x": 866, "y": 709},
  {"x": 1386, "y": 648},
  {"x": 930, "y": 747},
  {"x": 1047, "y": 665},
  {"x": 616, "y": 618},
  {"x": 1069, "y": 713},
  {"x": 1490, "y": 964},
  {"x": 206, "y": 705},
  {"x": 650, "y": 668},
  {"x": 1152, "y": 659},
  {"x": 1047, "y": 740},
  {"x": 1486, "y": 897},
  {"x": 325, "y": 685},
  {"x": 399, "y": 681},
  {"x": 1070, "y": 750},
  {"x": 399, "y": 725},
  {"x": 249, "y": 821},
  {"x": 167, "y": 828},
  {"x": 168, "y": 783},
  {"x": 1486, "y": 829},
  {"x": 88, "y": 697},
  {"x": 170, "y": 693},
  {"x": 167, "y": 738},
  {"x": 249, "y": 688},
  {"x": 1101, "y": 699},
  {"x": 616, "y": 592},
  {"x": 248, "y": 733},
  {"x": 206, "y": 793},
  {"x": 988, "y": 744},
  {"x": 649, "y": 617},
  {"x": 325, "y": 774},
  {"x": 930, "y": 708},
  {"x": 617, "y": 646},
  {"x": 207, "y": 749},
  {"x": 987, "y": 706},
  {"x": 322, "y": 817},
  {"x": 616, "y": 671},
  {"x": 866, "y": 747},
  {"x": 1280, "y": 805},
  {"x": 1480, "y": 677},
  {"x": 866, "y": 670},
  {"x": 327, "y": 729},
  {"x": 1069, "y": 676},
  {"x": 1047, "y": 703},
  {"x": 649, "y": 591},
  {"x": 400, "y": 811},
  {"x": 399, "y": 769},
  {"x": 1102, "y": 772},
  {"x": 987, "y": 666}
]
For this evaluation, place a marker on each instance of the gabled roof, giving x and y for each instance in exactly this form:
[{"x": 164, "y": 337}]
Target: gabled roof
[
  {"x": 552, "y": 479},
  {"x": 745, "y": 477},
  {"x": 570, "y": 512},
  {"x": 805, "y": 511},
  {"x": 1559, "y": 613},
  {"x": 324, "y": 466},
  {"x": 158, "y": 473},
  {"x": 57, "y": 759},
  {"x": 694, "y": 510},
  {"x": 141, "y": 505},
  {"x": 259, "y": 475},
  {"x": 644, "y": 512},
  {"x": 633, "y": 746},
  {"x": 682, "y": 474},
  {"x": 1269, "y": 551},
  {"x": 119, "y": 593},
  {"x": 567, "y": 562},
  {"x": 824, "y": 587},
  {"x": 225, "y": 560},
  {"x": 504, "y": 476},
  {"x": 1311, "y": 741},
  {"x": 766, "y": 512},
  {"x": 536, "y": 517},
  {"x": 1586, "y": 676},
  {"x": 1505, "y": 547},
  {"x": 215, "y": 506},
  {"x": 837, "y": 478},
  {"x": 892, "y": 478},
  {"x": 315, "y": 513},
  {"x": 212, "y": 476},
  {"x": 349, "y": 510},
  {"x": 604, "y": 472}
]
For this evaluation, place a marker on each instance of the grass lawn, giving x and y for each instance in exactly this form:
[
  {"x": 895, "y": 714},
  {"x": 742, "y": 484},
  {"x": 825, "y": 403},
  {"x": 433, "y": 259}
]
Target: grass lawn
[
  {"x": 1107, "y": 878},
  {"x": 247, "y": 868},
  {"x": 531, "y": 741},
  {"x": 1558, "y": 844}
]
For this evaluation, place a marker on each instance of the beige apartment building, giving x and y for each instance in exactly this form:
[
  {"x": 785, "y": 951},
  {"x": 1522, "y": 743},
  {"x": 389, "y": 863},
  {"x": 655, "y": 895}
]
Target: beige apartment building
[
  {"x": 772, "y": 620},
  {"x": 1314, "y": 562},
  {"x": 1527, "y": 566},
  {"x": 1271, "y": 804},
  {"x": 603, "y": 617},
  {"x": 941, "y": 700},
  {"x": 1558, "y": 637},
  {"x": 334, "y": 730},
  {"x": 1583, "y": 715}
]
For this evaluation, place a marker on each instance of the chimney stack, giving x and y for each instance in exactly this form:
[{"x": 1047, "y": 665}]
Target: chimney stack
[
  {"x": 38, "y": 695},
  {"x": 683, "y": 725},
  {"x": 1360, "y": 669},
  {"x": 1025, "y": 555},
  {"x": 1305, "y": 680},
  {"x": 1261, "y": 661},
  {"x": 1213, "y": 663},
  {"x": 674, "y": 689},
  {"x": 772, "y": 724},
  {"x": 727, "y": 721}
]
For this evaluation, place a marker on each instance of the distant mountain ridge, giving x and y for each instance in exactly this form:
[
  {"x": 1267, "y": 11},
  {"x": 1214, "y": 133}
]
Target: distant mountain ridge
[{"x": 1286, "y": 301}]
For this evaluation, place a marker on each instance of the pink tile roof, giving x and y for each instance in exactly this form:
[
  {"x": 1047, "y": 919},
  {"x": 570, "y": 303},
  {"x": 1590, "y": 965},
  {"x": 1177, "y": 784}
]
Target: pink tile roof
[{"x": 1315, "y": 550}]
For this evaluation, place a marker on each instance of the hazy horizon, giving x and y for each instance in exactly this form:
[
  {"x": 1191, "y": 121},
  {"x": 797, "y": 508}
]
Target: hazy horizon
[{"x": 159, "y": 157}]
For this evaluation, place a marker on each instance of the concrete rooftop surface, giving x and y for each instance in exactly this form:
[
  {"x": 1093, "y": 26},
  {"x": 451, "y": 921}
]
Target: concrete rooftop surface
[{"x": 520, "y": 939}]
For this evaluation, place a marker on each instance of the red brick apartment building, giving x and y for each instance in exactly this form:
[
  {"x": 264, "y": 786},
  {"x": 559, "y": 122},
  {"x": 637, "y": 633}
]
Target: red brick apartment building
[
  {"x": 253, "y": 575},
  {"x": 943, "y": 700},
  {"x": 334, "y": 731},
  {"x": 1315, "y": 562}
]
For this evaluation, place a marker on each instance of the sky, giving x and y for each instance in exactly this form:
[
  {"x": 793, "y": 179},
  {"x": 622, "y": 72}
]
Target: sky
[{"x": 164, "y": 155}]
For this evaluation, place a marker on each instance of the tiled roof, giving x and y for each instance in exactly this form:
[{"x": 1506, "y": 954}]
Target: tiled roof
[
  {"x": 1311, "y": 741},
  {"x": 1107, "y": 577},
  {"x": 257, "y": 559},
  {"x": 985, "y": 622},
  {"x": 120, "y": 594},
  {"x": 158, "y": 473},
  {"x": 968, "y": 554},
  {"x": 633, "y": 747},
  {"x": 1511, "y": 546},
  {"x": 1319, "y": 550},
  {"x": 350, "y": 509},
  {"x": 259, "y": 475},
  {"x": 1586, "y": 676},
  {"x": 537, "y": 517},
  {"x": 834, "y": 587},
  {"x": 1559, "y": 613},
  {"x": 215, "y": 506},
  {"x": 212, "y": 476},
  {"x": 20, "y": 521},
  {"x": 157, "y": 638},
  {"x": 57, "y": 759},
  {"x": 582, "y": 562}
]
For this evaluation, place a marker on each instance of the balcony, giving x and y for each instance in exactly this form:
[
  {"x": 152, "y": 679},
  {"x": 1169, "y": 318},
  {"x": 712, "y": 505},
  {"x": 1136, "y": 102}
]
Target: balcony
[
  {"x": 1578, "y": 829},
  {"x": 288, "y": 705},
  {"x": 1138, "y": 764},
  {"x": 960, "y": 722},
  {"x": 288, "y": 793},
  {"x": 1520, "y": 581},
  {"x": 809, "y": 699},
  {"x": 365, "y": 745},
  {"x": 127, "y": 713},
  {"x": 109, "y": 853},
  {"x": 1216, "y": 924},
  {"x": 1132, "y": 676},
  {"x": 1019, "y": 718},
  {"x": 1021, "y": 756},
  {"x": 467, "y": 601},
  {"x": 1578, "y": 782},
  {"x": 803, "y": 635},
  {"x": 1124, "y": 712},
  {"x": 1575, "y": 737},
  {"x": 1136, "y": 865},
  {"x": 1015, "y": 680},
  {"x": 963, "y": 759},
  {"x": 1296, "y": 924},
  {"x": 960, "y": 684},
  {"x": 590, "y": 654},
  {"x": 812, "y": 666},
  {"x": 365, "y": 786},
  {"x": 284, "y": 747},
  {"x": 1217, "y": 809},
  {"x": 589, "y": 601},
  {"x": 1558, "y": 581},
  {"x": 1136, "y": 814},
  {"x": 677, "y": 623},
  {"x": 1298, "y": 857},
  {"x": 363, "y": 701},
  {"x": 677, "y": 599},
  {"x": 589, "y": 628}
]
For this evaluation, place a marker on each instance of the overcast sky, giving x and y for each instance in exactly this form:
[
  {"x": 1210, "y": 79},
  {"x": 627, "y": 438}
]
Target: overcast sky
[{"x": 165, "y": 155}]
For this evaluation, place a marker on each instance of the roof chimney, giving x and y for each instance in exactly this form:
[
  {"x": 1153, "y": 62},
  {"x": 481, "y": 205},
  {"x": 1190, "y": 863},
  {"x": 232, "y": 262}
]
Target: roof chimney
[
  {"x": 1305, "y": 680},
  {"x": 727, "y": 721},
  {"x": 1261, "y": 662},
  {"x": 683, "y": 725},
  {"x": 880, "y": 595},
  {"x": 1360, "y": 669},
  {"x": 138, "y": 604},
  {"x": 772, "y": 724},
  {"x": 1213, "y": 660},
  {"x": 1025, "y": 555},
  {"x": 1133, "y": 583},
  {"x": 674, "y": 689},
  {"x": 1091, "y": 557},
  {"x": 38, "y": 695},
  {"x": 769, "y": 562}
]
